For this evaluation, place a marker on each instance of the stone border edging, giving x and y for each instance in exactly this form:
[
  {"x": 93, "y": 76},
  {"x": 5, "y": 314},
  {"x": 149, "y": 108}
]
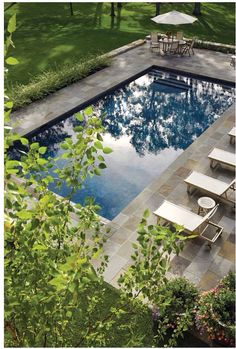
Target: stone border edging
[{"x": 209, "y": 45}]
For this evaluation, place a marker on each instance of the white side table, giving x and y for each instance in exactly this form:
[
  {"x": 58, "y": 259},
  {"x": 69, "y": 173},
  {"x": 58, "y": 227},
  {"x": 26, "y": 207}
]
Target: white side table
[{"x": 205, "y": 204}]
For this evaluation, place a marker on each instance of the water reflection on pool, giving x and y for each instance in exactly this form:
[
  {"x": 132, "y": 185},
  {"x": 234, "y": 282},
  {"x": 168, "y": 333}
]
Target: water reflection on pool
[{"x": 148, "y": 124}]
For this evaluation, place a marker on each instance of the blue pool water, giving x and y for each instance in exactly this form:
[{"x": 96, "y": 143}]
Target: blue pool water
[{"x": 149, "y": 122}]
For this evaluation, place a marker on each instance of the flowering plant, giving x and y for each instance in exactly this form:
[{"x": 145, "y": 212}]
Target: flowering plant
[
  {"x": 177, "y": 316},
  {"x": 215, "y": 313}
]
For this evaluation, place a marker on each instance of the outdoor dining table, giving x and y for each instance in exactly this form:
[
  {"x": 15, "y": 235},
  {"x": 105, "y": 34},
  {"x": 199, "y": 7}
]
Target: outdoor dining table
[{"x": 168, "y": 43}]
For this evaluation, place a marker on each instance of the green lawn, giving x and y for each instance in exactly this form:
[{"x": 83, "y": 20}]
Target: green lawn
[{"x": 47, "y": 35}]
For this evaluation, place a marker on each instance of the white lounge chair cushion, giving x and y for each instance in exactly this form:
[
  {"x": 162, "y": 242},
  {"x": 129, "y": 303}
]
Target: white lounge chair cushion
[
  {"x": 211, "y": 185},
  {"x": 181, "y": 216},
  {"x": 232, "y": 132},
  {"x": 222, "y": 156}
]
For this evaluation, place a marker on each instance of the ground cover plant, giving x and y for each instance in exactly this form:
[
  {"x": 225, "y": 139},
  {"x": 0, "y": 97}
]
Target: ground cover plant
[
  {"x": 48, "y": 36},
  {"x": 52, "y": 80}
]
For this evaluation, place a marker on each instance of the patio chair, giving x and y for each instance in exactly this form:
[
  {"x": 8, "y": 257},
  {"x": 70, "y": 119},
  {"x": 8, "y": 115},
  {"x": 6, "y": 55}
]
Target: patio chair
[
  {"x": 191, "y": 222},
  {"x": 179, "y": 35},
  {"x": 188, "y": 47},
  {"x": 154, "y": 44},
  {"x": 232, "y": 134},
  {"x": 220, "y": 156},
  {"x": 211, "y": 186},
  {"x": 232, "y": 61},
  {"x": 174, "y": 46}
]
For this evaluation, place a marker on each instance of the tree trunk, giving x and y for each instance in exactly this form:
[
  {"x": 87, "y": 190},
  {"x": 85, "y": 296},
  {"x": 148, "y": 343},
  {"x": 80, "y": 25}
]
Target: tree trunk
[
  {"x": 71, "y": 9},
  {"x": 112, "y": 9},
  {"x": 197, "y": 9},
  {"x": 119, "y": 4},
  {"x": 158, "y": 8}
]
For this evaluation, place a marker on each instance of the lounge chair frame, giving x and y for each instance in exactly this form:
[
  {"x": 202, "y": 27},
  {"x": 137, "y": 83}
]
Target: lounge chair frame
[
  {"x": 219, "y": 160},
  {"x": 200, "y": 229},
  {"x": 191, "y": 187}
]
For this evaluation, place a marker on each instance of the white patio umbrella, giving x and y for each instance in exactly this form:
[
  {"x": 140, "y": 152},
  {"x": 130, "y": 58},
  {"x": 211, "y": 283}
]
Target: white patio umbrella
[{"x": 174, "y": 18}]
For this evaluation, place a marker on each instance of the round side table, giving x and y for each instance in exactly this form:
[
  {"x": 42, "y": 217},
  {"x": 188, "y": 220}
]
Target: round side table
[{"x": 205, "y": 204}]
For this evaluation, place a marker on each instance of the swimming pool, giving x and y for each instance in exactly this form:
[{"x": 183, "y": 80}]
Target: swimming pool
[{"x": 149, "y": 122}]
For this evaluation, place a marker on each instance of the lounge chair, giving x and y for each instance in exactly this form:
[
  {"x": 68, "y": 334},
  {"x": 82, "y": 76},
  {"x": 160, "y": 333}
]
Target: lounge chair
[
  {"x": 232, "y": 134},
  {"x": 154, "y": 44},
  {"x": 220, "y": 156},
  {"x": 192, "y": 222},
  {"x": 211, "y": 186}
]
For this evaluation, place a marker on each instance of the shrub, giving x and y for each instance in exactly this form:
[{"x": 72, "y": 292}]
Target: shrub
[
  {"x": 178, "y": 315},
  {"x": 216, "y": 312},
  {"x": 53, "y": 80}
]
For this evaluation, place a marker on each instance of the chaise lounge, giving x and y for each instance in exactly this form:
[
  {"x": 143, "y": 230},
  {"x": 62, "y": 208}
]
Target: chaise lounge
[
  {"x": 192, "y": 222},
  {"x": 220, "y": 156},
  {"x": 232, "y": 135},
  {"x": 211, "y": 186}
]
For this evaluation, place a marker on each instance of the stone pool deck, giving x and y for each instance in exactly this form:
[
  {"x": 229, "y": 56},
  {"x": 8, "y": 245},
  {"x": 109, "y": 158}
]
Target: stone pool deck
[{"x": 196, "y": 262}]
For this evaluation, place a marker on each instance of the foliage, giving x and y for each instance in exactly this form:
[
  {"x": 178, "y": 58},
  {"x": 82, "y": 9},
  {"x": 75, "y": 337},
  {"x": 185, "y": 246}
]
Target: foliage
[
  {"x": 228, "y": 281},
  {"x": 52, "y": 80},
  {"x": 47, "y": 258},
  {"x": 178, "y": 315},
  {"x": 47, "y": 35},
  {"x": 216, "y": 312}
]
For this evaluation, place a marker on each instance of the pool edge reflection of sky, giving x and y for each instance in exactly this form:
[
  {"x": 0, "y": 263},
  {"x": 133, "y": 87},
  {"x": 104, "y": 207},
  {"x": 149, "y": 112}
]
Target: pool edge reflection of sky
[{"x": 149, "y": 123}]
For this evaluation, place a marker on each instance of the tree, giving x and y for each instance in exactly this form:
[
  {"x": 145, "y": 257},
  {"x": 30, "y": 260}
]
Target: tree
[
  {"x": 71, "y": 9},
  {"x": 112, "y": 14},
  {"x": 197, "y": 9},
  {"x": 158, "y": 8}
]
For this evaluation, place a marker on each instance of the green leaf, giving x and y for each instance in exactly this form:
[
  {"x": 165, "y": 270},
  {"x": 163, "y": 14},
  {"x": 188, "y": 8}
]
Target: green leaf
[
  {"x": 39, "y": 247},
  {"x": 12, "y": 24},
  {"x": 24, "y": 141},
  {"x": 79, "y": 117},
  {"x": 97, "y": 171},
  {"x": 58, "y": 282},
  {"x": 64, "y": 146},
  {"x": 78, "y": 128},
  {"x": 24, "y": 214},
  {"x": 8, "y": 104},
  {"x": 146, "y": 213},
  {"x": 42, "y": 150},
  {"x": 99, "y": 137},
  {"x": 102, "y": 165},
  {"x": 12, "y": 171},
  {"x": 88, "y": 111},
  {"x": 34, "y": 145},
  {"x": 12, "y": 61},
  {"x": 98, "y": 145},
  {"x": 101, "y": 158},
  {"x": 41, "y": 161},
  {"x": 12, "y": 164},
  {"x": 107, "y": 150}
]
